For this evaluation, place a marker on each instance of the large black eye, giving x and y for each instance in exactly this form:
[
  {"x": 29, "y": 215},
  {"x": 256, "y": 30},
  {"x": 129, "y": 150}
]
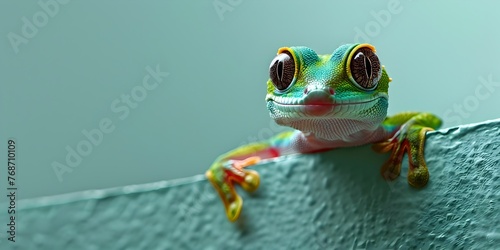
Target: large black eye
[
  {"x": 365, "y": 68},
  {"x": 282, "y": 70}
]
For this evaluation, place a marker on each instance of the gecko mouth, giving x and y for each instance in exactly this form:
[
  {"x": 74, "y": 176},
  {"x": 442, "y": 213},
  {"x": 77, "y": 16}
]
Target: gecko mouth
[
  {"x": 318, "y": 103},
  {"x": 322, "y": 105}
]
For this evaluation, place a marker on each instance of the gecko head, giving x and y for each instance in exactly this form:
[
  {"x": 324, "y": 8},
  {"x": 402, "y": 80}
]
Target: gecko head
[{"x": 312, "y": 92}]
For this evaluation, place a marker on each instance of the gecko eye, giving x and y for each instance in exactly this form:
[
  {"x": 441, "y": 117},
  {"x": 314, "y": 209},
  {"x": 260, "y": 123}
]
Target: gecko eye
[
  {"x": 364, "y": 68},
  {"x": 282, "y": 70}
]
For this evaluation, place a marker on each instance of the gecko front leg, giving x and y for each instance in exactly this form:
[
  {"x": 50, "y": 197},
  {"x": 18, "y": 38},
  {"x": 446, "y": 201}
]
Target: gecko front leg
[
  {"x": 410, "y": 139},
  {"x": 229, "y": 169}
]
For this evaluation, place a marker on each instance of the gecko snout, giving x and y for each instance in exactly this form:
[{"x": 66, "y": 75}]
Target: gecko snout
[
  {"x": 308, "y": 90},
  {"x": 318, "y": 101}
]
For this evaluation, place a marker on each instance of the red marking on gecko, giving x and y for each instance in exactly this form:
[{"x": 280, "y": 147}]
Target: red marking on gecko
[
  {"x": 274, "y": 152},
  {"x": 318, "y": 105},
  {"x": 230, "y": 175}
]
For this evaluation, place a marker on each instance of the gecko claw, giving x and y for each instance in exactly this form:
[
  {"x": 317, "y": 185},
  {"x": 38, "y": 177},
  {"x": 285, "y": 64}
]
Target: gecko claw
[
  {"x": 392, "y": 167},
  {"x": 418, "y": 176},
  {"x": 222, "y": 176},
  {"x": 251, "y": 182},
  {"x": 233, "y": 210}
]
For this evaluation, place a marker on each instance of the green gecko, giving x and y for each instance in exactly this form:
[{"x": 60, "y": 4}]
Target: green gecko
[{"x": 337, "y": 100}]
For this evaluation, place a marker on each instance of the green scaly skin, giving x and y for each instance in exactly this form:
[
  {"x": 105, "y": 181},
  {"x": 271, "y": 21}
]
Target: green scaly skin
[{"x": 337, "y": 100}]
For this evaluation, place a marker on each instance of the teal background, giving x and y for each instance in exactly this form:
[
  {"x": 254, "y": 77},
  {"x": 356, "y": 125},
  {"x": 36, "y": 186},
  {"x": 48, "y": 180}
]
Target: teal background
[{"x": 89, "y": 53}]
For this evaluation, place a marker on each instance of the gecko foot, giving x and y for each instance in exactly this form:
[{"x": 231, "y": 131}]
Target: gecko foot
[
  {"x": 418, "y": 174},
  {"x": 412, "y": 142},
  {"x": 392, "y": 167},
  {"x": 223, "y": 175}
]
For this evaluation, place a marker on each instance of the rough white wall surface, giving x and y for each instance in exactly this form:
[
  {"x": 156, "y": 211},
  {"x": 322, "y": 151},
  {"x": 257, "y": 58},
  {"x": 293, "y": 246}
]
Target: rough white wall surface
[{"x": 332, "y": 200}]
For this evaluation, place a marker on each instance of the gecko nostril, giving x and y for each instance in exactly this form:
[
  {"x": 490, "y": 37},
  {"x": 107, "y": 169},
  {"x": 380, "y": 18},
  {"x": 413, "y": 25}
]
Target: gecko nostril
[{"x": 326, "y": 90}]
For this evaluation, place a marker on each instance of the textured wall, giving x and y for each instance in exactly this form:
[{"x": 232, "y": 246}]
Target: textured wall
[{"x": 331, "y": 200}]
